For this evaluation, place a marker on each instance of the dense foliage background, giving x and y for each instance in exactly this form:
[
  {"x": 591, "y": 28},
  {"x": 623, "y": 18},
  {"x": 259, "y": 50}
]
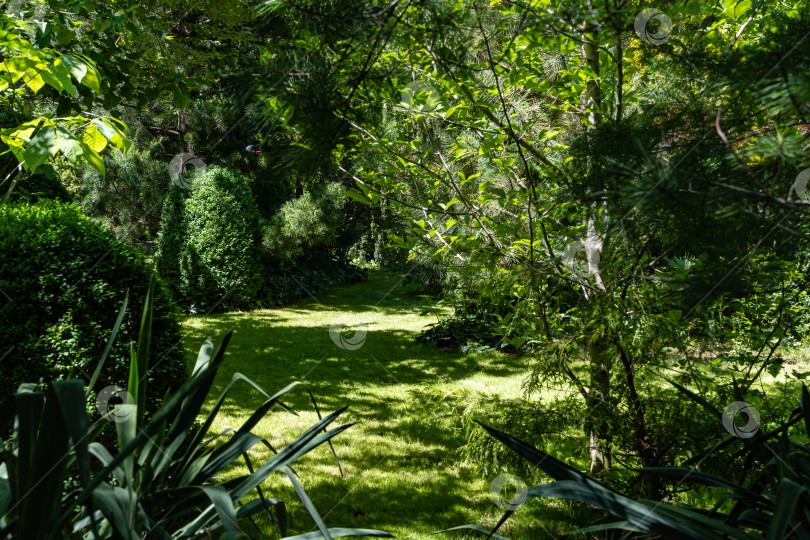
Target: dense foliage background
[{"x": 615, "y": 193}]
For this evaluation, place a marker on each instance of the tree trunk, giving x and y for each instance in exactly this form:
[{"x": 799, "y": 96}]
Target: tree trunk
[
  {"x": 598, "y": 404},
  {"x": 600, "y": 362},
  {"x": 378, "y": 233},
  {"x": 651, "y": 485}
]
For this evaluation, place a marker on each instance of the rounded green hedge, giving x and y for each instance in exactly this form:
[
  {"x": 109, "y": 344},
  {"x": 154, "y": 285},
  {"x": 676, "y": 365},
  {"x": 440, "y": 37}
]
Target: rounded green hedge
[
  {"x": 217, "y": 236},
  {"x": 63, "y": 278}
]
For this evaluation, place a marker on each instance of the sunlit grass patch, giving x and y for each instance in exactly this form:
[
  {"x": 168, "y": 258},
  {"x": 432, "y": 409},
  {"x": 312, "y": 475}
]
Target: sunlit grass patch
[{"x": 402, "y": 471}]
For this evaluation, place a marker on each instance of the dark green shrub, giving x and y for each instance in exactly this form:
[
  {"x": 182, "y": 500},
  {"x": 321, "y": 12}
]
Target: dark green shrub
[
  {"x": 462, "y": 334},
  {"x": 282, "y": 286},
  {"x": 171, "y": 238},
  {"x": 219, "y": 262},
  {"x": 63, "y": 278},
  {"x": 39, "y": 186},
  {"x": 431, "y": 278},
  {"x": 271, "y": 190}
]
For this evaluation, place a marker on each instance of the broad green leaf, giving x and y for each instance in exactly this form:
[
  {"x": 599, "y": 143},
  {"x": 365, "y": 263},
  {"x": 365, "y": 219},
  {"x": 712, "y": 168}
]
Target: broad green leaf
[
  {"x": 5, "y": 489},
  {"x": 126, "y": 424},
  {"x": 23, "y": 131},
  {"x": 46, "y": 464},
  {"x": 94, "y": 159},
  {"x": 41, "y": 147},
  {"x": 69, "y": 145},
  {"x": 17, "y": 66},
  {"x": 120, "y": 140},
  {"x": 144, "y": 341},
  {"x": 113, "y": 133},
  {"x": 73, "y": 65},
  {"x": 63, "y": 77},
  {"x": 302, "y": 495},
  {"x": 104, "y": 128},
  {"x": 180, "y": 98},
  {"x": 222, "y": 503},
  {"x": 33, "y": 78},
  {"x": 114, "y": 503},
  {"x": 226, "y": 454},
  {"x": 789, "y": 495},
  {"x": 92, "y": 80},
  {"x": 104, "y": 456},
  {"x": 94, "y": 139},
  {"x": 71, "y": 398}
]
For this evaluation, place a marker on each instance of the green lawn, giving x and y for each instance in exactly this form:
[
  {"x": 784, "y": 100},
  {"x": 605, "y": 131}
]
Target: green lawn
[{"x": 401, "y": 468}]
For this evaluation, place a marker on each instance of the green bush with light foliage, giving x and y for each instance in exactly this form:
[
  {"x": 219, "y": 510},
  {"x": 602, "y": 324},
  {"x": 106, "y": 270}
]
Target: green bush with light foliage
[
  {"x": 129, "y": 194},
  {"x": 311, "y": 228},
  {"x": 63, "y": 277}
]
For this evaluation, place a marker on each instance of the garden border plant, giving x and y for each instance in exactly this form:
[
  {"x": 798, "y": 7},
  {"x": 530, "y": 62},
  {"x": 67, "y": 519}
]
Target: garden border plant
[{"x": 164, "y": 478}]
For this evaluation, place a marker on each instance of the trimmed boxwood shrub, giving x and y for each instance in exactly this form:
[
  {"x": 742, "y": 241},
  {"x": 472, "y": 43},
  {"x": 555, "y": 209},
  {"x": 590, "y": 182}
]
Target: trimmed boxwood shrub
[
  {"x": 63, "y": 278},
  {"x": 219, "y": 256},
  {"x": 171, "y": 238}
]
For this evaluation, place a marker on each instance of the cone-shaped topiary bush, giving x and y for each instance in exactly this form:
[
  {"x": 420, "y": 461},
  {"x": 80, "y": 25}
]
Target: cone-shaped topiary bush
[
  {"x": 171, "y": 238},
  {"x": 210, "y": 252}
]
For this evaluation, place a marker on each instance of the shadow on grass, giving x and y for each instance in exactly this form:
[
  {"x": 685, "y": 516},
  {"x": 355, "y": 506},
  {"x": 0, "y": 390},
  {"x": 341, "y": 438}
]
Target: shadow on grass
[
  {"x": 368, "y": 379},
  {"x": 385, "y": 297},
  {"x": 435, "y": 504},
  {"x": 273, "y": 356},
  {"x": 403, "y": 470}
]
